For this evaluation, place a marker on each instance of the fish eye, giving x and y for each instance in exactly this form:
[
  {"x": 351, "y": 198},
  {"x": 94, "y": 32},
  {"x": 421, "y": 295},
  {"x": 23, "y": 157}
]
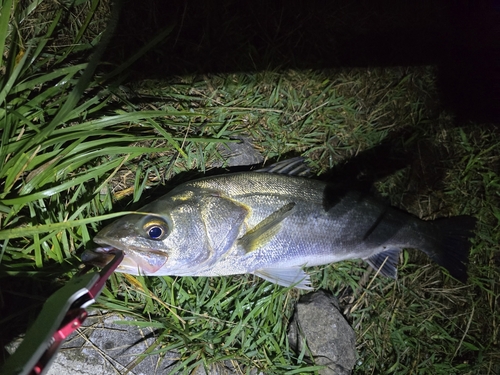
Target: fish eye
[{"x": 156, "y": 230}]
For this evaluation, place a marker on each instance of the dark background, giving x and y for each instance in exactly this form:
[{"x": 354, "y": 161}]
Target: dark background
[{"x": 462, "y": 38}]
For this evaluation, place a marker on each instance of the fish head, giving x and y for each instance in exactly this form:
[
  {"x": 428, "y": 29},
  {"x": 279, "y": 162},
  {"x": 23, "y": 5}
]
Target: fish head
[
  {"x": 166, "y": 238},
  {"x": 181, "y": 234}
]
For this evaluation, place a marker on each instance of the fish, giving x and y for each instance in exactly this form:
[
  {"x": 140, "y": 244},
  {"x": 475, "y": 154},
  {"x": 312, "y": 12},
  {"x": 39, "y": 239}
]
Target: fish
[{"x": 273, "y": 223}]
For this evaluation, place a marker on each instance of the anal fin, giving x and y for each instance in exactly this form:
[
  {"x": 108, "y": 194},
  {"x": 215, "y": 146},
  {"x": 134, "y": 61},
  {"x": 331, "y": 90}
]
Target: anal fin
[
  {"x": 387, "y": 267},
  {"x": 294, "y": 276}
]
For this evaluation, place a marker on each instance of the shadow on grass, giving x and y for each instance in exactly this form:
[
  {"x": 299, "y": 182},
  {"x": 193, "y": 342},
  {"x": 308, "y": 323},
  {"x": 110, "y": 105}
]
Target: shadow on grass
[{"x": 461, "y": 38}]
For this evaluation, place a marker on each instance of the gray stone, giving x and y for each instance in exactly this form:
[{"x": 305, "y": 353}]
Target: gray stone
[
  {"x": 104, "y": 347},
  {"x": 331, "y": 341},
  {"x": 240, "y": 153}
]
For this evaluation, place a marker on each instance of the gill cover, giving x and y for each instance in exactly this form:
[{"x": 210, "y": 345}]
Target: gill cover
[{"x": 222, "y": 219}]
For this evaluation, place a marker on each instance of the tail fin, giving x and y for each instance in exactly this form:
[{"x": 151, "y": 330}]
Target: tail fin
[{"x": 454, "y": 234}]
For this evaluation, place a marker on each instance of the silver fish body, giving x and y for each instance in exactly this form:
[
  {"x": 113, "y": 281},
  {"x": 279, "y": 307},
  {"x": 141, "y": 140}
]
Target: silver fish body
[{"x": 274, "y": 225}]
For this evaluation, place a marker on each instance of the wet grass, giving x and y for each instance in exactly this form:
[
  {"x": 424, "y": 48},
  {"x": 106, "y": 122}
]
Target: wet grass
[{"x": 77, "y": 148}]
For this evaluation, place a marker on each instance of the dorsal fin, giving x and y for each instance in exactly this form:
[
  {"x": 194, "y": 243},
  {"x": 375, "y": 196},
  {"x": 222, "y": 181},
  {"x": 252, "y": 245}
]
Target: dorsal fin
[{"x": 291, "y": 167}]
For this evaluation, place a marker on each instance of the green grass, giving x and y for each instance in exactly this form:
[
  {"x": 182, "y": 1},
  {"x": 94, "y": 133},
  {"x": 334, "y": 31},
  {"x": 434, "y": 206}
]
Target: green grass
[{"x": 75, "y": 151}]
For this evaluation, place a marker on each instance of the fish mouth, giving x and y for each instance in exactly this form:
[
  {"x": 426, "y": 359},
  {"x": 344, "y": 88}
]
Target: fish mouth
[
  {"x": 134, "y": 263},
  {"x": 99, "y": 256}
]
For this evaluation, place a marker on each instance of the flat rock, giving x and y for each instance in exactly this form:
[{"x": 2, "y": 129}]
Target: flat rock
[
  {"x": 239, "y": 153},
  {"x": 103, "y": 346},
  {"x": 318, "y": 322}
]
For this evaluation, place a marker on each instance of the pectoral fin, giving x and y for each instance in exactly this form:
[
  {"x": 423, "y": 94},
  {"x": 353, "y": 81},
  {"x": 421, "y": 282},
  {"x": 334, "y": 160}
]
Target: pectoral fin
[
  {"x": 266, "y": 229},
  {"x": 294, "y": 276},
  {"x": 389, "y": 268}
]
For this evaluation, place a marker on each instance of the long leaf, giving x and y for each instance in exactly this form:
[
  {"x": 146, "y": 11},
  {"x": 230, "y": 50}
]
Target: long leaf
[
  {"x": 6, "y": 89},
  {"x": 106, "y": 121},
  {"x": 70, "y": 103},
  {"x": 92, "y": 173},
  {"x": 5, "y": 12},
  {"x": 68, "y": 71},
  {"x": 81, "y": 30},
  {"x": 37, "y": 229},
  {"x": 41, "y": 42}
]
